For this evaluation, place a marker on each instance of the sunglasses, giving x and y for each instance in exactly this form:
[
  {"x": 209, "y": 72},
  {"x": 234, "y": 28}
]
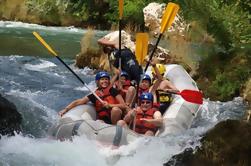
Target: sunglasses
[{"x": 146, "y": 102}]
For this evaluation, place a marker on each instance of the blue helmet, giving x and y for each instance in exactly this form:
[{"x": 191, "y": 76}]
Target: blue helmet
[
  {"x": 102, "y": 74},
  {"x": 146, "y": 96},
  {"x": 125, "y": 74},
  {"x": 147, "y": 77}
]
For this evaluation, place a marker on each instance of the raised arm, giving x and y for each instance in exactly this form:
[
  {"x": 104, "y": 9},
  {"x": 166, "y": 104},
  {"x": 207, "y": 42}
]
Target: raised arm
[
  {"x": 159, "y": 77},
  {"x": 116, "y": 75},
  {"x": 168, "y": 86}
]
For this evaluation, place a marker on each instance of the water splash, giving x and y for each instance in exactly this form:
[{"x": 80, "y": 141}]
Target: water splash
[{"x": 40, "y": 89}]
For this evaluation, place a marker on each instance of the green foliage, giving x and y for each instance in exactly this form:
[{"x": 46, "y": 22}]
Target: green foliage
[
  {"x": 101, "y": 13},
  {"x": 227, "y": 20},
  {"x": 225, "y": 77}
]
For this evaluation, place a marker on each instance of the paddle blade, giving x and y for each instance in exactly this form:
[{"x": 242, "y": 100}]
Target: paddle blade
[
  {"x": 44, "y": 43},
  {"x": 192, "y": 96},
  {"x": 121, "y": 7},
  {"x": 141, "y": 47},
  {"x": 168, "y": 16}
]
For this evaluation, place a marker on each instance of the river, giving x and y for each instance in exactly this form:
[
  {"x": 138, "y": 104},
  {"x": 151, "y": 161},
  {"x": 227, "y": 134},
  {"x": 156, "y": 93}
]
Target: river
[{"x": 40, "y": 87}]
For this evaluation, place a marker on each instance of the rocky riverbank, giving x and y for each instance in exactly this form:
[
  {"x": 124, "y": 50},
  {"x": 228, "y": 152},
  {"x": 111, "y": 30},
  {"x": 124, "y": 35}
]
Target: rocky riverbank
[{"x": 228, "y": 143}]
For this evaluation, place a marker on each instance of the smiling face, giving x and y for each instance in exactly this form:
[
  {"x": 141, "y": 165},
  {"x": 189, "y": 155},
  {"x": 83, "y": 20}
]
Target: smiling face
[
  {"x": 122, "y": 80},
  {"x": 145, "y": 105},
  {"x": 144, "y": 84},
  {"x": 103, "y": 82}
]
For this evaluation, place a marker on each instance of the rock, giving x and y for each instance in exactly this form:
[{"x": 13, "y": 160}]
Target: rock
[
  {"x": 153, "y": 15},
  {"x": 228, "y": 143},
  {"x": 126, "y": 40},
  {"x": 10, "y": 118},
  {"x": 163, "y": 55}
]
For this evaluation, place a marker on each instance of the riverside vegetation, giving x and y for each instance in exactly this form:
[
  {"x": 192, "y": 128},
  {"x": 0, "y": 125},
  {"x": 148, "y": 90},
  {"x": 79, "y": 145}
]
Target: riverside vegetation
[{"x": 221, "y": 74}]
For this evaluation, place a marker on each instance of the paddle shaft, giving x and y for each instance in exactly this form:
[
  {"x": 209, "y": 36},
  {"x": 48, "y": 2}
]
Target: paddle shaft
[
  {"x": 43, "y": 42},
  {"x": 120, "y": 29},
  {"x": 151, "y": 56},
  {"x": 79, "y": 78},
  {"x": 71, "y": 71}
]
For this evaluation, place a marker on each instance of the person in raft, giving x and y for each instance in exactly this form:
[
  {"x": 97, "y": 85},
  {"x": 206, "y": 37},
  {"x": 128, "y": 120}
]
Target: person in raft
[
  {"x": 111, "y": 110},
  {"x": 124, "y": 85},
  {"x": 147, "y": 120},
  {"x": 129, "y": 63},
  {"x": 162, "y": 94},
  {"x": 147, "y": 85}
]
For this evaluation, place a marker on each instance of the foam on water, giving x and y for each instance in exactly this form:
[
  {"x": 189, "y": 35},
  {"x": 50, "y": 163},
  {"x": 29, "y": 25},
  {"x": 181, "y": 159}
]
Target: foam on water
[
  {"x": 40, "y": 89},
  {"x": 11, "y": 24},
  {"x": 39, "y": 67},
  {"x": 21, "y": 150},
  {"x": 81, "y": 151}
]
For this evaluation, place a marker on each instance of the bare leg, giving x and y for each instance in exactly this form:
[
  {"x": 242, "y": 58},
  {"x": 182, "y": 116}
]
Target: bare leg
[
  {"x": 149, "y": 133},
  {"x": 130, "y": 95},
  {"x": 116, "y": 114},
  {"x": 122, "y": 123}
]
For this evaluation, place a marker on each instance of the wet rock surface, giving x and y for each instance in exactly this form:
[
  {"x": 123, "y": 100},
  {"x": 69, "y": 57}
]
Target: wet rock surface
[{"x": 10, "y": 118}]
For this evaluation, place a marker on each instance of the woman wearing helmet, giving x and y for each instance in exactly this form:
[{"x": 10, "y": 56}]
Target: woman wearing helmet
[
  {"x": 110, "y": 111},
  {"x": 161, "y": 93},
  {"x": 146, "y": 119}
]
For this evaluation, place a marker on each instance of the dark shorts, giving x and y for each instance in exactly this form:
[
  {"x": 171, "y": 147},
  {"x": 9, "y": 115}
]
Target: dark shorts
[{"x": 163, "y": 107}]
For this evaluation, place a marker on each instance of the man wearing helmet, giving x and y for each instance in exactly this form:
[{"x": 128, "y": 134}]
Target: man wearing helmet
[
  {"x": 123, "y": 84},
  {"x": 146, "y": 119},
  {"x": 146, "y": 84},
  {"x": 110, "y": 110},
  {"x": 161, "y": 93}
]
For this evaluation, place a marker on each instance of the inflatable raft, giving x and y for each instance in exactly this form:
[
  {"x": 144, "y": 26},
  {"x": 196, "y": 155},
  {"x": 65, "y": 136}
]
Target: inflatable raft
[{"x": 177, "y": 118}]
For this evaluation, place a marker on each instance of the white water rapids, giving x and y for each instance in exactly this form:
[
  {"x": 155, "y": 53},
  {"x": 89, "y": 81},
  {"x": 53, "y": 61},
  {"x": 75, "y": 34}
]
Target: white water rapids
[{"x": 41, "y": 87}]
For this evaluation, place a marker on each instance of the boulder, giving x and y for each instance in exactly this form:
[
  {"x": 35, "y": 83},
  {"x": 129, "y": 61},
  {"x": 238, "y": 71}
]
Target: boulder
[
  {"x": 153, "y": 15},
  {"x": 10, "y": 118}
]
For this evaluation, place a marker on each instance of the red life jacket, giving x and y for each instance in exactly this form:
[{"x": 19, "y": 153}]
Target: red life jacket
[
  {"x": 104, "y": 94},
  {"x": 125, "y": 87},
  {"x": 142, "y": 127}
]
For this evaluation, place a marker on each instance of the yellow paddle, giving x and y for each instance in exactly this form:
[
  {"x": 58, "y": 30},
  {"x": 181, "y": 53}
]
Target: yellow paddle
[
  {"x": 55, "y": 54},
  {"x": 141, "y": 52},
  {"x": 121, "y": 5},
  {"x": 141, "y": 47},
  {"x": 167, "y": 20}
]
